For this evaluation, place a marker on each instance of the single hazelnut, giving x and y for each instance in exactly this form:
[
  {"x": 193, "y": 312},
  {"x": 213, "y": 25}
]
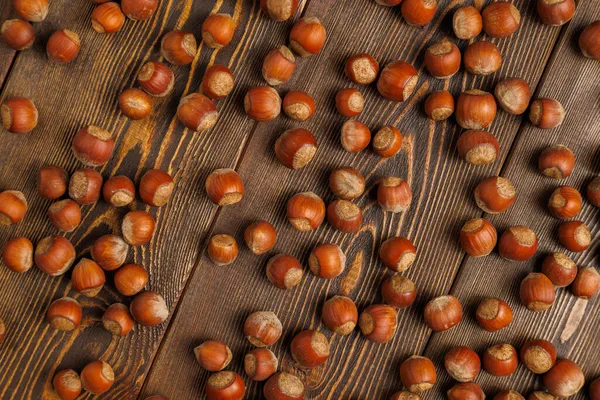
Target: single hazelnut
[
  {"x": 197, "y": 112},
  {"x": 156, "y": 79},
  {"x": 394, "y": 194},
  {"x": 262, "y": 328},
  {"x": 355, "y": 136},
  {"x": 475, "y": 109},
  {"x": 278, "y": 66},
  {"x": 500, "y": 360},
  {"x": 156, "y": 187},
  {"x": 439, "y": 105},
  {"x": 260, "y": 237},
  {"x": 378, "y": 323},
  {"x": 500, "y": 19},
  {"x": 493, "y": 314},
  {"x": 67, "y": 384},
  {"x": 225, "y": 385},
  {"x": 587, "y": 283},
  {"x": 442, "y": 59},
  {"x": 540, "y": 395},
  {"x": 305, "y": 211},
  {"x": 538, "y": 356},
  {"x": 31, "y": 10},
  {"x": 135, "y": 104},
  {"x": 64, "y": 314},
  {"x": 589, "y": 41},
  {"x": 107, "y": 18},
  {"x": 63, "y": 46},
  {"x": 118, "y": 191},
  {"x": 327, "y": 261},
  {"x": 139, "y": 10},
  {"x": 17, "y": 34},
  {"x": 443, "y": 313},
  {"x": 482, "y": 58},
  {"x": 398, "y": 291},
  {"x": 54, "y": 255},
  {"x": 478, "y": 147},
  {"x": 340, "y": 315},
  {"x": 19, "y": 115},
  {"x": 222, "y": 249},
  {"x": 557, "y": 162},
  {"x": 466, "y": 391},
  {"x": 279, "y": 10},
  {"x": 178, "y": 47},
  {"x": 509, "y": 395},
  {"x": 478, "y": 237},
  {"x": 260, "y": 364},
  {"x": 495, "y": 195},
  {"x": 137, "y": 227},
  {"x": 117, "y": 320},
  {"x": 149, "y": 309},
  {"x": 262, "y": 103},
  {"x": 283, "y": 386},
  {"x": 565, "y": 379},
  {"x": 13, "y": 206},
  {"x": 560, "y": 269},
  {"x": 344, "y": 216},
  {"x": 346, "y": 183},
  {"x": 85, "y": 186},
  {"x": 299, "y": 106},
  {"x": 546, "y": 113},
  {"x": 93, "y": 146},
  {"x": 295, "y": 148},
  {"x": 17, "y": 254},
  {"x": 518, "y": 243},
  {"x": 97, "y": 377},
  {"x": 418, "y": 12},
  {"x": 349, "y": 102},
  {"x": 284, "y": 271},
  {"x": 307, "y": 36},
  {"x": 467, "y": 22},
  {"x": 310, "y": 348},
  {"x": 537, "y": 292},
  {"x": 397, "y": 254},
  {"x": 513, "y": 95},
  {"x": 418, "y": 374},
  {"x": 574, "y": 236},
  {"x": 565, "y": 202},
  {"x": 593, "y": 191},
  {"x": 52, "y": 182},
  {"x": 65, "y": 215},
  {"x": 462, "y": 364},
  {"x": 224, "y": 187},
  {"x": 218, "y": 81},
  {"x": 130, "y": 279},
  {"x": 362, "y": 69},
  {"x": 218, "y": 30},
  {"x": 387, "y": 141},
  {"x": 213, "y": 355},
  {"x": 594, "y": 389},
  {"x": 87, "y": 278},
  {"x": 397, "y": 81}
]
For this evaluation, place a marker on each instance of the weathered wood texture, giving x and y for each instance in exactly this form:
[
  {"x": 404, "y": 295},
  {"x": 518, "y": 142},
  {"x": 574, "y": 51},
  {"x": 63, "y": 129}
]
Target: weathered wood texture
[
  {"x": 6, "y": 53},
  {"x": 216, "y": 300}
]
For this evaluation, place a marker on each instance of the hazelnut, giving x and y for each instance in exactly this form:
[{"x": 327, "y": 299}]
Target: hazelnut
[
  {"x": 344, "y": 216},
  {"x": 64, "y": 314},
  {"x": 355, "y": 136},
  {"x": 539, "y": 395},
  {"x": 218, "y": 81},
  {"x": 389, "y": 3},
  {"x": 299, "y": 106},
  {"x": 65, "y": 215},
  {"x": 156, "y": 79},
  {"x": 63, "y": 46},
  {"x": 85, "y": 185},
  {"x": 295, "y": 148},
  {"x": 467, "y": 22},
  {"x": 222, "y": 249},
  {"x": 118, "y": 191},
  {"x": 378, "y": 323},
  {"x": 593, "y": 191},
  {"x": 398, "y": 291},
  {"x": 13, "y": 206},
  {"x": 107, "y": 18},
  {"x": 397, "y": 253},
  {"x": 495, "y": 195},
  {"x": 213, "y": 355},
  {"x": 224, "y": 187},
  {"x": 31, "y": 10},
  {"x": 66, "y": 384},
  {"x": 156, "y": 187},
  {"x": 19, "y": 115},
  {"x": 546, "y": 113},
  {"x": 260, "y": 364},
  {"x": 443, "y": 313},
  {"x": 225, "y": 385},
  {"x": 340, "y": 315},
  {"x": 284, "y": 271},
  {"x": 589, "y": 41},
  {"x": 574, "y": 236},
  {"x": 462, "y": 364},
  {"x": 87, "y": 278},
  {"x": 17, "y": 254},
  {"x": 97, "y": 377},
  {"x": 560, "y": 269},
  {"x": 478, "y": 147},
  {"x": 500, "y": 19},
  {"x": 17, "y": 34},
  {"x": 538, "y": 356},
  {"x": 387, "y": 141},
  {"x": 362, "y": 69},
  {"x": 135, "y": 104},
  {"x": 493, "y": 314},
  {"x": 565, "y": 202},
  {"x": 397, "y": 81},
  {"x": 513, "y": 95},
  {"x": 418, "y": 12},
  {"x": 149, "y": 309},
  {"x": 54, "y": 255},
  {"x": 305, "y": 211},
  {"x": 349, "y": 102},
  {"x": 218, "y": 30},
  {"x": 52, "y": 182},
  {"x": 117, "y": 320},
  {"x": 418, "y": 374},
  {"x": 442, "y": 59},
  {"x": 309, "y": 348},
  {"x": 556, "y": 162},
  {"x": 130, "y": 279},
  {"x": 475, "y": 109},
  {"x": 197, "y": 112},
  {"x": 260, "y": 237},
  {"x": 137, "y": 227},
  {"x": 307, "y": 36},
  {"x": 262, "y": 328},
  {"x": 478, "y": 237},
  {"x": 283, "y": 386},
  {"x": 587, "y": 283},
  {"x": 594, "y": 389},
  {"x": 279, "y": 10},
  {"x": 518, "y": 243},
  {"x": 482, "y": 58},
  {"x": 466, "y": 391},
  {"x": 278, "y": 66},
  {"x": 509, "y": 395},
  {"x": 346, "y": 183},
  {"x": 500, "y": 360},
  {"x": 439, "y": 105},
  {"x": 537, "y": 292},
  {"x": 327, "y": 261},
  {"x": 394, "y": 194},
  {"x": 139, "y": 10},
  {"x": 262, "y": 103},
  {"x": 564, "y": 379},
  {"x": 93, "y": 146},
  {"x": 178, "y": 47}
]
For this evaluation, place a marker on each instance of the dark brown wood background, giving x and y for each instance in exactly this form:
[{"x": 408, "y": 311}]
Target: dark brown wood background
[{"x": 212, "y": 302}]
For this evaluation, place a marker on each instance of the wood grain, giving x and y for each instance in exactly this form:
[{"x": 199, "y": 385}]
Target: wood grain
[{"x": 6, "y": 53}]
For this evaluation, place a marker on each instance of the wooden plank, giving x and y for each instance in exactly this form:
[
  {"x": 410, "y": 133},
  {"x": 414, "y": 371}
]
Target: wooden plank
[
  {"x": 218, "y": 299},
  {"x": 572, "y": 80},
  {"x": 85, "y": 92},
  {"x": 6, "y": 53}
]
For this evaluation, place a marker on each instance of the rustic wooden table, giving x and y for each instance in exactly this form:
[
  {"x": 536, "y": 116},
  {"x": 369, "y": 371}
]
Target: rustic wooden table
[{"x": 212, "y": 302}]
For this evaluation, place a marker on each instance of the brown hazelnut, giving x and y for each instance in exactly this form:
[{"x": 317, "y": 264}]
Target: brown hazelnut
[
  {"x": 443, "y": 313},
  {"x": 467, "y": 22},
  {"x": 283, "y": 386},
  {"x": 538, "y": 356},
  {"x": 130, "y": 279},
  {"x": 19, "y": 115},
  {"x": 475, "y": 109},
  {"x": 137, "y": 227},
  {"x": 85, "y": 185},
  {"x": 307, "y": 36},
  {"x": 65, "y": 215},
  {"x": 149, "y": 309},
  {"x": 565, "y": 202},
  {"x": 355, "y": 136},
  {"x": 54, "y": 255},
  {"x": 87, "y": 277},
  {"x": 500, "y": 360},
  {"x": 110, "y": 252},
  {"x": 327, "y": 261},
  {"x": 93, "y": 146},
  {"x": 478, "y": 237},
  {"x": 218, "y": 81},
  {"x": 462, "y": 364},
  {"x": 279, "y": 10},
  {"x": 518, "y": 243},
  {"x": 224, "y": 187},
  {"x": 225, "y": 385},
  {"x": 260, "y": 237},
  {"x": 378, "y": 323},
  {"x": 118, "y": 191},
  {"x": 117, "y": 320},
  {"x": 278, "y": 66},
  {"x": 398, "y": 291},
  {"x": 565, "y": 379},
  {"x": 17, "y": 34},
  {"x": 260, "y": 364},
  {"x": 156, "y": 79},
  {"x": 310, "y": 348},
  {"x": 546, "y": 113},
  {"x": 493, "y": 314},
  {"x": 156, "y": 187},
  {"x": 574, "y": 236},
  {"x": 589, "y": 41},
  {"x": 213, "y": 355},
  {"x": 439, "y": 105},
  {"x": 346, "y": 183},
  {"x": 17, "y": 254},
  {"x": 67, "y": 384},
  {"x": 466, "y": 391},
  {"x": 107, "y": 18},
  {"x": 97, "y": 377},
  {"x": 394, "y": 194},
  {"x": 344, "y": 216},
  {"x": 139, "y": 10},
  {"x": 442, "y": 59},
  {"x": 537, "y": 292},
  {"x": 509, "y": 395},
  {"x": 64, "y": 314},
  {"x": 557, "y": 162},
  {"x": 284, "y": 271},
  {"x": 397, "y": 254},
  {"x": 482, "y": 58},
  {"x": 135, "y": 104},
  {"x": 500, "y": 19},
  {"x": 349, "y": 102},
  {"x": 478, "y": 147},
  {"x": 495, "y": 195},
  {"x": 178, "y": 47},
  {"x": 197, "y": 112},
  {"x": 222, "y": 249},
  {"x": 298, "y": 105},
  {"x": 218, "y": 30},
  {"x": 418, "y": 12},
  {"x": 362, "y": 69},
  {"x": 418, "y": 374},
  {"x": 262, "y": 328},
  {"x": 587, "y": 283},
  {"x": 593, "y": 191},
  {"x": 262, "y": 103},
  {"x": 340, "y": 315},
  {"x": 560, "y": 269},
  {"x": 31, "y": 10},
  {"x": 13, "y": 206},
  {"x": 305, "y": 211},
  {"x": 295, "y": 148},
  {"x": 63, "y": 46},
  {"x": 397, "y": 81},
  {"x": 513, "y": 95},
  {"x": 52, "y": 182},
  {"x": 387, "y": 141}
]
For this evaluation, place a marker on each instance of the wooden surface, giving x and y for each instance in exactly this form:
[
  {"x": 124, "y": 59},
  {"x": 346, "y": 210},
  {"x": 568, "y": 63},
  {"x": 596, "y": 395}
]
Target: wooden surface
[{"x": 212, "y": 302}]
